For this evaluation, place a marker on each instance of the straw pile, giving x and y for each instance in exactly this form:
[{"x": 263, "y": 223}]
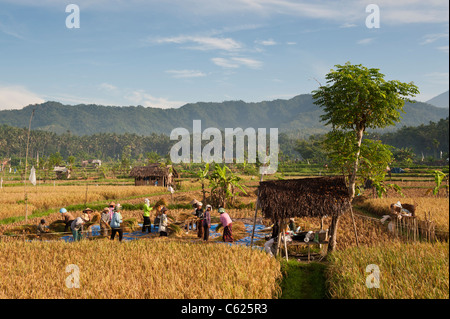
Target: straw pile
[{"x": 307, "y": 197}]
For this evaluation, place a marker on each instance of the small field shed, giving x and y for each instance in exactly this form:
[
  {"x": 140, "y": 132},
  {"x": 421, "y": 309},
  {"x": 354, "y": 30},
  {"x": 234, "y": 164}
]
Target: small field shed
[
  {"x": 62, "y": 172},
  {"x": 305, "y": 197},
  {"x": 148, "y": 175}
]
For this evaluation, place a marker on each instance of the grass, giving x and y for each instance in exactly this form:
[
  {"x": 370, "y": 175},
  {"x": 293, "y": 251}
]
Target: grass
[
  {"x": 407, "y": 271},
  {"x": 303, "y": 280},
  {"x": 164, "y": 269}
]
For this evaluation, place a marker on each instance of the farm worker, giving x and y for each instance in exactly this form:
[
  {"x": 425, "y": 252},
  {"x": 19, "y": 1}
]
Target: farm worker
[
  {"x": 270, "y": 245},
  {"x": 398, "y": 209},
  {"x": 207, "y": 222},
  {"x": 147, "y": 224},
  {"x": 68, "y": 218},
  {"x": 77, "y": 226},
  {"x": 199, "y": 214},
  {"x": 105, "y": 219},
  {"x": 42, "y": 228},
  {"x": 292, "y": 224},
  {"x": 112, "y": 205},
  {"x": 194, "y": 203},
  {"x": 115, "y": 223},
  {"x": 87, "y": 213},
  {"x": 163, "y": 223},
  {"x": 226, "y": 223},
  {"x": 158, "y": 216}
]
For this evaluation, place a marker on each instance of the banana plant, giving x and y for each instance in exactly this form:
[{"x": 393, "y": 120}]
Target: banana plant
[
  {"x": 224, "y": 184},
  {"x": 438, "y": 178},
  {"x": 381, "y": 188}
]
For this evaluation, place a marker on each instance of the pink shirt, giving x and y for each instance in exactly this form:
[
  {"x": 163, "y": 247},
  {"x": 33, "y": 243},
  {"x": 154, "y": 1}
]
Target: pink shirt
[
  {"x": 225, "y": 219},
  {"x": 111, "y": 212}
]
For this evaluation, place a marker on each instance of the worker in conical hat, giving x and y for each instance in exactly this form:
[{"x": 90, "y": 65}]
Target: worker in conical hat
[{"x": 147, "y": 224}]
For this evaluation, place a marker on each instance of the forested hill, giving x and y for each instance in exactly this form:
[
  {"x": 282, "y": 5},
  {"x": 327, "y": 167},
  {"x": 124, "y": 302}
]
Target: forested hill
[{"x": 297, "y": 115}]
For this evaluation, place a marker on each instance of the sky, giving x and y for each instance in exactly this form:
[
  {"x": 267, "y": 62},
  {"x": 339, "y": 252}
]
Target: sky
[{"x": 168, "y": 53}]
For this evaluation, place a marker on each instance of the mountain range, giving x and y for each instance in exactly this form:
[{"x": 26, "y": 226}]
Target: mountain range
[
  {"x": 297, "y": 116},
  {"x": 440, "y": 101}
]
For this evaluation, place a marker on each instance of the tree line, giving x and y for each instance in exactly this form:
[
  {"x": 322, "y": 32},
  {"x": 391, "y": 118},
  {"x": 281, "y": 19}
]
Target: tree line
[
  {"x": 409, "y": 143},
  {"x": 104, "y": 146}
]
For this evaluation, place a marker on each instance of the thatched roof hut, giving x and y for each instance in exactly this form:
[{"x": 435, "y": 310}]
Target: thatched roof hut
[
  {"x": 154, "y": 174},
  {"x": 62, "y": 172},
  {"x": 307, "y": 197}
]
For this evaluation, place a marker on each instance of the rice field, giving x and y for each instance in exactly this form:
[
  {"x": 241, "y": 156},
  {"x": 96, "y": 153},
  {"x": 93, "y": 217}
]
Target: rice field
[
  {"x": 12, "y": 199},
  {"x": 438, "y": 207},
  {"x": 164, "y": 269},
  {"x": 173, "y": 267},
  {"x": 406, "y": 271}
]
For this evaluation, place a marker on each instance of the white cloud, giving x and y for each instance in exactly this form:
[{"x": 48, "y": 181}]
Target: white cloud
[
  {"x": 186, "y": 73},
  {"x": 202, "y": 43},
  {"x": 225, "y": 63},
  {"x": 140, "y": 97},
  {"x": 443, "y": 48},
  {"x": 107, "y": 87},
  {"x": 430, "y": 38},
  {"x": 236, "y": 62},
  {"x": 266, "y": 42},
  {"x": 408, "y": 12},
  {"x": 17, "y": 97},
  {"x": 251, "y": 63},
  {"x": 347, "y": 25},
  {"x": 8, "y": 29},
  {"x": 365, "y": 41},
  {"x": 438, "y": 77}
]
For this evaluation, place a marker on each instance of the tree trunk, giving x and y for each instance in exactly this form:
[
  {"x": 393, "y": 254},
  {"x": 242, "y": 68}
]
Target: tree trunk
[
  {"x": 352, "y": 177},
  {"x": 333, "y": 233},
  {"x": 203, "y": 191}
]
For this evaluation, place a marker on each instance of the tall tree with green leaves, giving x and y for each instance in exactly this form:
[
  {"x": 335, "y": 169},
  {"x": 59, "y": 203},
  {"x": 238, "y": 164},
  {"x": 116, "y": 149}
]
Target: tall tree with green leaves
[
  {"x": 354, "y": 99},
  {"x": 357, "y": 98}
]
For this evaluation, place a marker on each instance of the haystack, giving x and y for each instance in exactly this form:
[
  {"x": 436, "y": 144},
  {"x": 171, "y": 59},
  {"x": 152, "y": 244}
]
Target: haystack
[
  {"x": 306, "y": 197},
  {"x": 160, "y": 202},
  {"x": 130, "y": 225}
]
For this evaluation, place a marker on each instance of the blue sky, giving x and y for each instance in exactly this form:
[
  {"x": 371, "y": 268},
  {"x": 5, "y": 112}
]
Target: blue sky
[{"x": 169, "y": 53}]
